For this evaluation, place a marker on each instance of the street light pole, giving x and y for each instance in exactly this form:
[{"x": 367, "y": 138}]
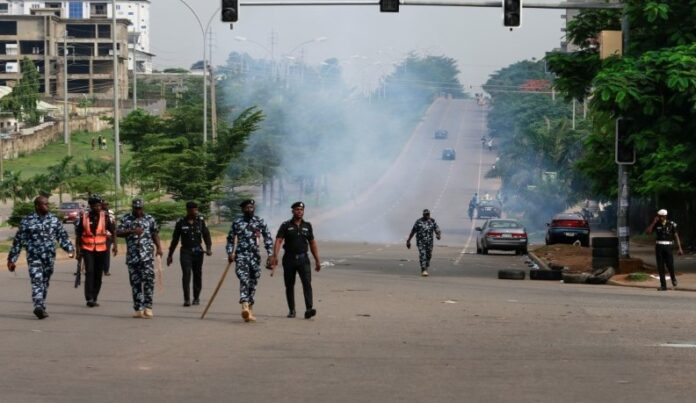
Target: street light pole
[
  {"x": 66, "y": 129},
  {"x": 117, "y": 129}
]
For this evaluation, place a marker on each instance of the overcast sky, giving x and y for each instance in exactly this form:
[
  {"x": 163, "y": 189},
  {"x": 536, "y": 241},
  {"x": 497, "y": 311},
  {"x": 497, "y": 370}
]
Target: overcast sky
[{"x": 365, "y": 40}]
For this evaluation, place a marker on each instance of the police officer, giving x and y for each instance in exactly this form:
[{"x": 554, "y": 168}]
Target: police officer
[
  {"x": 423, "y": 229},
  {"x": 665, "y": 235},
  {"x": 93, "y": 230},
  {"x": 142, "y": 243},
  {"x": 296, "y": 236},
  {"x": 472, "y": 205},
  {"x": 38, "y": 233},
  {"x": 243, "y": 249},
  {"x": 193, "y": 232}
]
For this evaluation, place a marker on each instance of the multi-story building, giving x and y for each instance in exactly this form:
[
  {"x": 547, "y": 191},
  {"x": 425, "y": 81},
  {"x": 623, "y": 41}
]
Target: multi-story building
[
  {"x": 135, "y": 11},
  {"x": 41, "y": 38}
]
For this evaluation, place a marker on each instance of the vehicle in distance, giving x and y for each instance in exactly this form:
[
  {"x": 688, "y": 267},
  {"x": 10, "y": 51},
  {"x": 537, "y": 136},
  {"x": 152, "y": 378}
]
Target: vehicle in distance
[
  {"x": 441, "y": 134},
  {"x": 70, "y": 211},
  {"x": 568, "y": 228},
  {"x": 488, "y": 209},
  {"x": 501, "y": 234},
  {"x": 448, "y": 154}
]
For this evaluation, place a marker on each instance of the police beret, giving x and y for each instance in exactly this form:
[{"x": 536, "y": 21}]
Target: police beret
[
  {"x": 297, "y": 204},
  {"x": 426, "y": 211},
  {"x": 137, "y": 203},
  {"x": 246, "y": 203},
  {"x": 191, "y": 204},
  {"x": 94, "y": 199}
]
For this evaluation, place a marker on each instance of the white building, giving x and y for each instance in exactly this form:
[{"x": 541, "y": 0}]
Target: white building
[{"x": 135, "y": 11}]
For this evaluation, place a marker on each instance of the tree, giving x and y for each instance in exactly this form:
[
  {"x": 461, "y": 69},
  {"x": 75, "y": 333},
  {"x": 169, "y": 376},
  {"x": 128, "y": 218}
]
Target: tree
[{"x": 25, "y": 95}]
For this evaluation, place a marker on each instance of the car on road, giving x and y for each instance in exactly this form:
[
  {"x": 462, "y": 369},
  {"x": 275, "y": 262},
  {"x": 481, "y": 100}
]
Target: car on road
[
  {"x": 501, "y": 234},
  {"x": 488, "y": 209},
  {"x": 448, "y": 154},
  {"x": 568, "y": 228},
  {"x": 441, "y": 134},
  {"x": 70, "y": 211}
]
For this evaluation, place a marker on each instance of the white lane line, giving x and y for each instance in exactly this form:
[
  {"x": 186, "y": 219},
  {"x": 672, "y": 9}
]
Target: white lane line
[
  {"x": 677, "y": 345},
  {"x": 478, "y": 190},
  {"x": 445, "y": 187}
]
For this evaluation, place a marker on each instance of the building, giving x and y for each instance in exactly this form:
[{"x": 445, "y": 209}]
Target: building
[
  {"x": 137, "y": 12},
  {"x": 90, "y": 54}
]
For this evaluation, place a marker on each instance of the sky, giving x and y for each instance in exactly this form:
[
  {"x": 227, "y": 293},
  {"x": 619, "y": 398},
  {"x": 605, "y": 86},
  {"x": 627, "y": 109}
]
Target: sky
[{"x": 366, "y": 42}]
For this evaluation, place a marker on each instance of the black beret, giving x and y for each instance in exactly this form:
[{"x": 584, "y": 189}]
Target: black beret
[
  {"x": 246, "y": 203},
  {"x": 137, "y": 203},
  {"x": 297, "y": 204},
  {"x": 426, "y": 211},
  {"x": 191, "y": 204},
  {"x": 94, "y": 199}
]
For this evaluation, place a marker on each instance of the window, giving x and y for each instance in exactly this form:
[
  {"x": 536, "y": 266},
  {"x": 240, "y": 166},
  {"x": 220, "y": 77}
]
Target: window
[
  {"x": 4, "y": 8},
  {"x": 53, "y": 4},
  {"x": 98, "y": 10},
  {"x": 75, "y": 9},
  {"x": 8, "y": 27},
  {"x": 104, "y": 31}
]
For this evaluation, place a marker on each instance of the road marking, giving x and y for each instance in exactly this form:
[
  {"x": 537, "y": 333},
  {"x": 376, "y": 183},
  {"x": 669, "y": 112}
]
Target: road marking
[
  {"x": 445, "y": 187},
  {"x": 478, "y": 190},
  {"x": 678, "y": 345}
]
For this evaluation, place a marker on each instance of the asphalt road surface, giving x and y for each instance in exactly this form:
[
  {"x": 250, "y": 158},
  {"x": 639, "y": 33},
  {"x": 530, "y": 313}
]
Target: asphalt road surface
[{"x": 382, "y": 333}]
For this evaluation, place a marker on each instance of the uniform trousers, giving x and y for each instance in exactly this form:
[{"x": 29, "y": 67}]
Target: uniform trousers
[
  {"x": 297, "y": 264},
  {"x": 664, "y": 257},
  {"x": 142, "y": 281},
  {"x": 191, "y": 263},
  {"x": 95, "y": 265},
  {"x": 425, "y": 253},
  {"x": 40, "y": 273},
  {"x": 248, "y": 270}
]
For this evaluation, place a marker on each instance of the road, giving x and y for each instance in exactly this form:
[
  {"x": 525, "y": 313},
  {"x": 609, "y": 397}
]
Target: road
[{"x": 383, "y": 333}]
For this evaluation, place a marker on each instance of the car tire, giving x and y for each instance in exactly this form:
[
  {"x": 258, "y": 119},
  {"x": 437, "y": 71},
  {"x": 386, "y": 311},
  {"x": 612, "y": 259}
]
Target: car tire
[
  {"x": 605, "y": 252},
  {"x": 524, "y": 251},
  {"x": 575, "y": 278},
  {"x": 511, "y": 274},
  {"x": 484, "y": 250},
  {"x": 549, "y": 275},
  {"x": 478, "y": 249},
  {"x": 605, "y": 242}
]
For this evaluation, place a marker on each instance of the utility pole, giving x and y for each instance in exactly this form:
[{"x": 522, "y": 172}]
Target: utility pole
[
  {"x": 624, "y": 193},
  {"x": 213, "y": 101},
  {"x": 135, "y": 70},
  {"x": 117, "y": 117}
]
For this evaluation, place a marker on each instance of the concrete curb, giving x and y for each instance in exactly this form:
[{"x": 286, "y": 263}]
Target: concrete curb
[{"x": 645, "y": 286}]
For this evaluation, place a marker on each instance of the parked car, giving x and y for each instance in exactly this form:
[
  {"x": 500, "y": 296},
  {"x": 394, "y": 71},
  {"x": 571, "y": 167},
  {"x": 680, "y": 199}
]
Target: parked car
[
  {"x": 448, "y": 154},
  {"x": 441, "y": 134},
  {"x": 488, "y": 209},
  {"x": 501, "y": 234},
  {"x": 70, "y": 211},
  {"x": 568, "y": 228}
]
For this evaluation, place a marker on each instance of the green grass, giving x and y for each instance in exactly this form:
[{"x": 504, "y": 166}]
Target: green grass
[
  {"x": 38, "y": 161},
  {"x": 638, "y": 277}
]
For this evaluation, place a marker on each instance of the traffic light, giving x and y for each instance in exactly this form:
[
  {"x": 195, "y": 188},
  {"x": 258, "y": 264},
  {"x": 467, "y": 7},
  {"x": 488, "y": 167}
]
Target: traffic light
[
  {"x": 625, "y": 152},
  {"x": 389, "y": 6},
  {"x": 230, "y": 10},
  {"x": 512, "y": 13}
]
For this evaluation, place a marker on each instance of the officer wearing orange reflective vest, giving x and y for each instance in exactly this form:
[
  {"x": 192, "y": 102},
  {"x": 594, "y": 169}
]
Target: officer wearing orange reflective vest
[{"x": 93, "y": 233}]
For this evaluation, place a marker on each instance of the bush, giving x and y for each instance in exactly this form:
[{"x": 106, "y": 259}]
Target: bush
[{"x": 638, "y": 277}]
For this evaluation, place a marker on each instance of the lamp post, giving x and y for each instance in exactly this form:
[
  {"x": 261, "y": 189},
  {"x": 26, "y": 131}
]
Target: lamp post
[{"x": 204, "y": 32}]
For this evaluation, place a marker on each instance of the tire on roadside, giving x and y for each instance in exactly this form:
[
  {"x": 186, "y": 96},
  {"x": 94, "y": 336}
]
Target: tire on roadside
[
  {"x": 511, "y": 274},
  {"x": 601, "y": 276},
  {"x": 549, "y": 275},
  {"x": 605, "y": 242},
  {"x": 575, "y": 278}
]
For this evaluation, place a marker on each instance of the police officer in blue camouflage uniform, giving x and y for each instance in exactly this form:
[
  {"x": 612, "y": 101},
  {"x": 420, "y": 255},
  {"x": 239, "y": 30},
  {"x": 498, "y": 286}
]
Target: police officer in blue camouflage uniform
[
  {"x": 243, "y": 249},
  {"x": 38, "y": 233},
  {"x": 142, "y": 243},
  {"x": 423, "y": 229}
]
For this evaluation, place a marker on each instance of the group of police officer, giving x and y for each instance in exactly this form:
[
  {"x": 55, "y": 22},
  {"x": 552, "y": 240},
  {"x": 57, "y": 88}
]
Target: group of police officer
[{"x": 95, "y": 233}]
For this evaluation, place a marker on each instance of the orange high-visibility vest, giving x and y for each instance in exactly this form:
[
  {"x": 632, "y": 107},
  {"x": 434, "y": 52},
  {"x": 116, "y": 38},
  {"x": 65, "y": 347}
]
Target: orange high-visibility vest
[{"x": 94, "y": 242}]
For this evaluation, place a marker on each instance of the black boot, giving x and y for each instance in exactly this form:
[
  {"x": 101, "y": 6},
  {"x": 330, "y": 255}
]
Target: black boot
[
  {"x": 40, "y": 313},
  {"x": 310, "y": 313},
  {"x": 291, "y": 314}
]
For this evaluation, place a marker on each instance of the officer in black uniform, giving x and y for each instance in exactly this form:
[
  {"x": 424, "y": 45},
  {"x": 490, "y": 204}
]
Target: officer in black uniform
[
  {"x": 296, "y": 236},
  {"x": 193, "y": 233},
  {"x": 665, "y": 235}
]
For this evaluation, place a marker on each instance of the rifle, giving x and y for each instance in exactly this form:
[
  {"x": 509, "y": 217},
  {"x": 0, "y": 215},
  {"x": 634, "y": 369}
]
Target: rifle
[{"x": 78, "y": 272}]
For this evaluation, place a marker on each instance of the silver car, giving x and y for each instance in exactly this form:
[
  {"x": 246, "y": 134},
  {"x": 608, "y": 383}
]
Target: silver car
[{"x": 501, "y": 234}]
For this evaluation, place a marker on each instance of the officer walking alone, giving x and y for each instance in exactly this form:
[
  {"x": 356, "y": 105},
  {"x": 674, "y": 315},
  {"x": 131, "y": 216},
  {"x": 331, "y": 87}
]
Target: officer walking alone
[
  {"x": 423, "y": 229},
  {"x": 38, "y": 233},
  {"x": 193, "y": 232},
  {"x": 665, "y": 235},
  {"x": 142, "y": 243},
  {"x": 296, "y": 236},
  {"x": 93, "y": 230},
  {"x": 243, "y": 249}
]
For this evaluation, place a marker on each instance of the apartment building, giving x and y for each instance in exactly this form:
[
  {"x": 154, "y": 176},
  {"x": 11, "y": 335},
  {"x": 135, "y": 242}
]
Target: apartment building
[
  {"x": 137, "y": 12},
  {"x": 89, "y": 48}
]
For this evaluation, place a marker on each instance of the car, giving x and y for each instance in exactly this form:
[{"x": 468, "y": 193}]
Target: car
[
  {"x": 501, "y": 234},
  {"x": 568, "y": 228},
  {"x": 488, "y": 209},
  {"x": 70, "y": 211},
  {"x": 448, "y": 154},
  {"x": 441, "y": 134}
]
